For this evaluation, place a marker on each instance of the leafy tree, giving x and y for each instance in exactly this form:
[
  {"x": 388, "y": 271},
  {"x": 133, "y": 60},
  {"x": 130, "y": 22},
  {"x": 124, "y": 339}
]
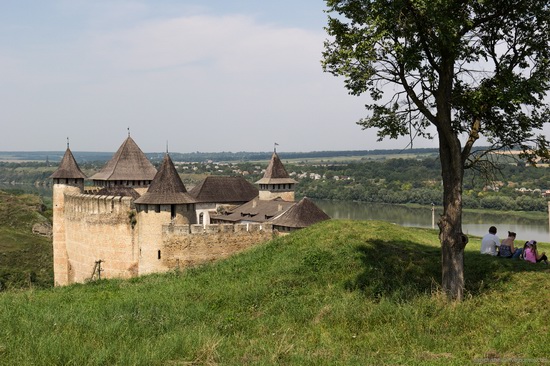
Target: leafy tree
[{"x": 466, "y": 69}]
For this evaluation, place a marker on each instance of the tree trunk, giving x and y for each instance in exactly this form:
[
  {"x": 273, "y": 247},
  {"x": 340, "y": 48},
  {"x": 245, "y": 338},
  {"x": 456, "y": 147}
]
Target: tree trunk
[
  {"x": 453, "y": 241},
  {"x": 451, "y": 237}
]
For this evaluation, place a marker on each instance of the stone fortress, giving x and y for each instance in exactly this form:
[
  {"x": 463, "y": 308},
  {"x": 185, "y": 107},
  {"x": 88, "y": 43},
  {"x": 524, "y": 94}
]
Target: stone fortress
[{"x": 135, "y": 220}]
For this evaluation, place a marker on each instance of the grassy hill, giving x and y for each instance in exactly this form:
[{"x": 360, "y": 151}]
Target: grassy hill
[
  {"x": 338, "y": 293},
  {"x": 25, "y": 258}
]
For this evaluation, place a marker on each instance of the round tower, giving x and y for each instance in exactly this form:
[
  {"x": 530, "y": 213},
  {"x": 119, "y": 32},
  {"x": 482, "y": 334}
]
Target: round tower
[
  {"x": 67, "y": 179},
  {"x": 165, "y": 202}
]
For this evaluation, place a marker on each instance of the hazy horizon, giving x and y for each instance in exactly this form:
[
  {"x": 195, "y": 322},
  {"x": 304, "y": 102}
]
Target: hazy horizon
[
  {"x": 218, "y": 152},
  {"x": 205, "y": 75}
]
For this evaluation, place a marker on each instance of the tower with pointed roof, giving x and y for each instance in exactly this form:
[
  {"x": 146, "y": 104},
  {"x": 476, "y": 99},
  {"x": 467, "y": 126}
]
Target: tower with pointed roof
[
  {"x": 144, "y": 221},
  {"x": 129, "y": 167},
  {"x": 165, "y": 202},
  {"x": 276, "y": 183},
  {"x": 67, "y": 179}
]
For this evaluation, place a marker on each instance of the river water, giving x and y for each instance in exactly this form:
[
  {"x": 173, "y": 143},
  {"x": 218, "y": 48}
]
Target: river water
[{"x": 473, "y": 223}]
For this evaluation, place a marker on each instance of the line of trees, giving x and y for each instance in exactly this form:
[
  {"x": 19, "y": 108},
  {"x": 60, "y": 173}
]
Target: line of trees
[
  {"x": 397, "y": 181},
  {"x": 418, "y": 181}
]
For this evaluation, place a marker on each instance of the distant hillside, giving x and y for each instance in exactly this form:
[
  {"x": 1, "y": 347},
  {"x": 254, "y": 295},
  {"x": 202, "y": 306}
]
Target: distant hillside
[
  {"x": 25, "y": 258},
  {"x": 254, "y": 156},
  {"x": 52, "y": 156},
  {"x": 83, "y": 156},
  {"x": 337, "y": 293}
]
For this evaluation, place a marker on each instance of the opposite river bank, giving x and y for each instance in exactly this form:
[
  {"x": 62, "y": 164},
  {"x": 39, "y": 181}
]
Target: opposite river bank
[{"x": 474, "y": 223}]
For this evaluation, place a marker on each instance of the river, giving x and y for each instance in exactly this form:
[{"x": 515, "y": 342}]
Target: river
[{"x": 473, "y": 223}]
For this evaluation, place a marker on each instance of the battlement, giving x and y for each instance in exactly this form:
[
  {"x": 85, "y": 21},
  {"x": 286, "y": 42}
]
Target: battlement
[
  {"x": 99, "y": 227},
  {"x": 129, "y": 240},
  {"x": 189, "y": 245},
  {"x": 92, "y": 204},
  {"x": 215, "y": 229}
]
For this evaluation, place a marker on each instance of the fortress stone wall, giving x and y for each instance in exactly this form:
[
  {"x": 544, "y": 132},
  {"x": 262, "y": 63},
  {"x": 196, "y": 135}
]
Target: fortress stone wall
[
  {"x": 100, "y": 228},
  {"x": 131, "y": 243},
  {"x": 159, "y": 229},
  {"x": 189, "y": 245},
  {"x": 149, "y": 223},
  {"x": 60, "y": 257}
]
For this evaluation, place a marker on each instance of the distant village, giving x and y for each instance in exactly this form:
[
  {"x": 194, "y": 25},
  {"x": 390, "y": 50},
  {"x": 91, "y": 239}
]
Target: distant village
[
  {"x": 230, "y": 168},
  {"x": 235, "y": 169}
]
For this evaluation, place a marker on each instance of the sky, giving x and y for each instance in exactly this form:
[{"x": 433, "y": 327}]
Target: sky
[{"x": 208, "y": 76}]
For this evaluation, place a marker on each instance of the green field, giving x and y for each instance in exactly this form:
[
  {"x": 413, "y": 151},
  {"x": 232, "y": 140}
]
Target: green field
[
  {"x": 348, "y": 159},
  {"x": 25, "y": 258},
  {"x": 337, "y": 293}
]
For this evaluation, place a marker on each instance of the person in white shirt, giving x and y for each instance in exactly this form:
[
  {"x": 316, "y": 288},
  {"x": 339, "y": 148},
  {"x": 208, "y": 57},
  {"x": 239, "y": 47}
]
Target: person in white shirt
[{"x": 490, "y": 242}]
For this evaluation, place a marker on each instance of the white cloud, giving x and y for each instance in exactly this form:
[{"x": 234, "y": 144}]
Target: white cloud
[
  {"x": 245, "y": 82},
  {"x": 231, "y": 43},
  {"x": 205, "y": 82}
]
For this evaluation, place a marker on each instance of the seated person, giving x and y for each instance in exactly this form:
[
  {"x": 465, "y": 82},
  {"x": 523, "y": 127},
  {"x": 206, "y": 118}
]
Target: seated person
[
  {"x": 490, "y": 242},
  {"x": 507, "y": 249},
  {"x": 531, "y": 254}
]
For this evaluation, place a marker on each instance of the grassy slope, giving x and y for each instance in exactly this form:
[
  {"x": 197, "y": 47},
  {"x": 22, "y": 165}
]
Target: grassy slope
[
  {"x": 24, "y": 257},
  {"x": 338, "y": 293}
]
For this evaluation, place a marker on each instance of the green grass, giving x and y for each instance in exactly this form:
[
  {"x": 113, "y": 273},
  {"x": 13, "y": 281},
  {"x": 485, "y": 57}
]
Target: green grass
[
  {"x": 25, "y": 258},
  {"x": 338, "y": 293}
]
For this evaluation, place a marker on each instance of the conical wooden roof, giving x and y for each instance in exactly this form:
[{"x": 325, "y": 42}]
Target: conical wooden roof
[
  {"x": 275, "y": 172},
  {"x": 68, "y": 168},
  {"x": 128, "y": 163},
  {"x": 166, "y": 188},
  {"x": 302, "y": 214}
]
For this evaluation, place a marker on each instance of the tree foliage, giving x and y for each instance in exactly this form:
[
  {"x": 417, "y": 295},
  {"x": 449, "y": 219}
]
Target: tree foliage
[
  {"x": 495, "y": 53},
  {"x": 468, "y": 69}
]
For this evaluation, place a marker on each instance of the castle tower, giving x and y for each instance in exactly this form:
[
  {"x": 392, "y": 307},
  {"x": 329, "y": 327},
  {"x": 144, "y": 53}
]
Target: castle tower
[
  {"x": 68, "y": 178},
  {"x": 276, "y": 182},
  {"x": 129, "y": 167},
  {"x": 165, "y": 202}
]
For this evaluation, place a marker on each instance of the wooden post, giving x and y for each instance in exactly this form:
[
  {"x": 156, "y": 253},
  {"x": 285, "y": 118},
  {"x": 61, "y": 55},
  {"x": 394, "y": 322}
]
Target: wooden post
[
  {"x": 433, "y": 216},
  {"x": 93, "y": 271},
  {"x": 99, "y": 269}
]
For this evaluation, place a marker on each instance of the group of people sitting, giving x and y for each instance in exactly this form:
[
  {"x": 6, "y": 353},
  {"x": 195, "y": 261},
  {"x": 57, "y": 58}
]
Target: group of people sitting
[{"x": 491, "y": 244}]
